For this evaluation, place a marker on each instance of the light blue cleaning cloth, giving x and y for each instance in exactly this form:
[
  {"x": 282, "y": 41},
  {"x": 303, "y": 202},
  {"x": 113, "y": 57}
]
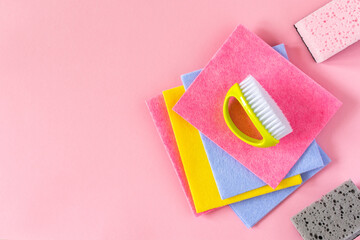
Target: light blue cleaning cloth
[
  {"x": 253, "y": 210},
  {"x": 231, "y": 177}
]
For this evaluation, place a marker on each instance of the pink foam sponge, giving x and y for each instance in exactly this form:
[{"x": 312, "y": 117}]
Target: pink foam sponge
[{"x": 331, "y": 28}]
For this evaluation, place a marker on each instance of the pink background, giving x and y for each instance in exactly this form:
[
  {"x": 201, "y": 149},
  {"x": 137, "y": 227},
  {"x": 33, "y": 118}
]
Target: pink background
[{"x": 79, "y": 155}]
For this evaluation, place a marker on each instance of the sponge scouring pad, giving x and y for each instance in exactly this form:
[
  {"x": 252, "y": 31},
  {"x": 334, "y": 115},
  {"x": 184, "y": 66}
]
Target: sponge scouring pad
[
  {"x": 335, "y": 216},
  {"x": 331, "y": 28}
]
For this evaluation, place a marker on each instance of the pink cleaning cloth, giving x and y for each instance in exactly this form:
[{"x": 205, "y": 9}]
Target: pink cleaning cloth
[
  {"x": 306, "y": 105},
  {"x": 331, "y": 28},
  {"x": 162, "y": 122}
]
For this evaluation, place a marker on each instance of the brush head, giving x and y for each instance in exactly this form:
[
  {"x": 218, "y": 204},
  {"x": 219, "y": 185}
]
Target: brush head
[{"x": 265, "y": 108}]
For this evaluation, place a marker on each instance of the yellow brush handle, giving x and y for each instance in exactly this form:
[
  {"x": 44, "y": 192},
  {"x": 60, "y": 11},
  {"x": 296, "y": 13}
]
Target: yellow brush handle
[{"x": 267, "y": 140}]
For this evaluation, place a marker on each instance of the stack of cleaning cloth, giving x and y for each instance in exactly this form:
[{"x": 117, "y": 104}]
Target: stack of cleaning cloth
[{"x": 215, "y": 167}]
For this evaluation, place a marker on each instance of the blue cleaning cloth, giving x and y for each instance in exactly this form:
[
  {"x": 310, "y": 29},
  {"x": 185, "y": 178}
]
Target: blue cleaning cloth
[
  {"x": 253, "y": 210},
  {"x": 231, "y": 177}
]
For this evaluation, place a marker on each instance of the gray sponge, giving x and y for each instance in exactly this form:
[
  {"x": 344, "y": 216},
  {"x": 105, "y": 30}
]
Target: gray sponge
[{"x": 335, "y": 216}]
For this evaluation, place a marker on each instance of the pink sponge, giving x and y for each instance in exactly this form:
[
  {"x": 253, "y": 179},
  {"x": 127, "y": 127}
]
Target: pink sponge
[{"x": 331, "y": 28}]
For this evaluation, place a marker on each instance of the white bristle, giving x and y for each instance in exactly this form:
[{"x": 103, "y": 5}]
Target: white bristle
[
  {"x": 265, "y": 108},
  {"x": 260, "y": 107}
]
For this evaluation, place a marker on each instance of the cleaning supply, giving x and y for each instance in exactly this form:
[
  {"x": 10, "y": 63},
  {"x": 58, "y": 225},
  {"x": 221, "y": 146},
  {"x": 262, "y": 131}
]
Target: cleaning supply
[
  {"x": 307, "y": 106},
  {"x": 262, "y": 111},
  {"x": 335, "y": 216},
  {"x": 196, "y": 165},
  {"x": 252, "y": 210},
  {"x": 231, "y": 177},
  {"x": 331, "y": 28}
]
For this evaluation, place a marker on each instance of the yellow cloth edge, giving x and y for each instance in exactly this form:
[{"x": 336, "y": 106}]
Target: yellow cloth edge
[{"x": 197, "y": 167}]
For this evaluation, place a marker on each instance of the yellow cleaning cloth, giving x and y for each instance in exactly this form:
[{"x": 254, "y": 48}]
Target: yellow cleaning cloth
[{"x": 197, "y": 167}]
